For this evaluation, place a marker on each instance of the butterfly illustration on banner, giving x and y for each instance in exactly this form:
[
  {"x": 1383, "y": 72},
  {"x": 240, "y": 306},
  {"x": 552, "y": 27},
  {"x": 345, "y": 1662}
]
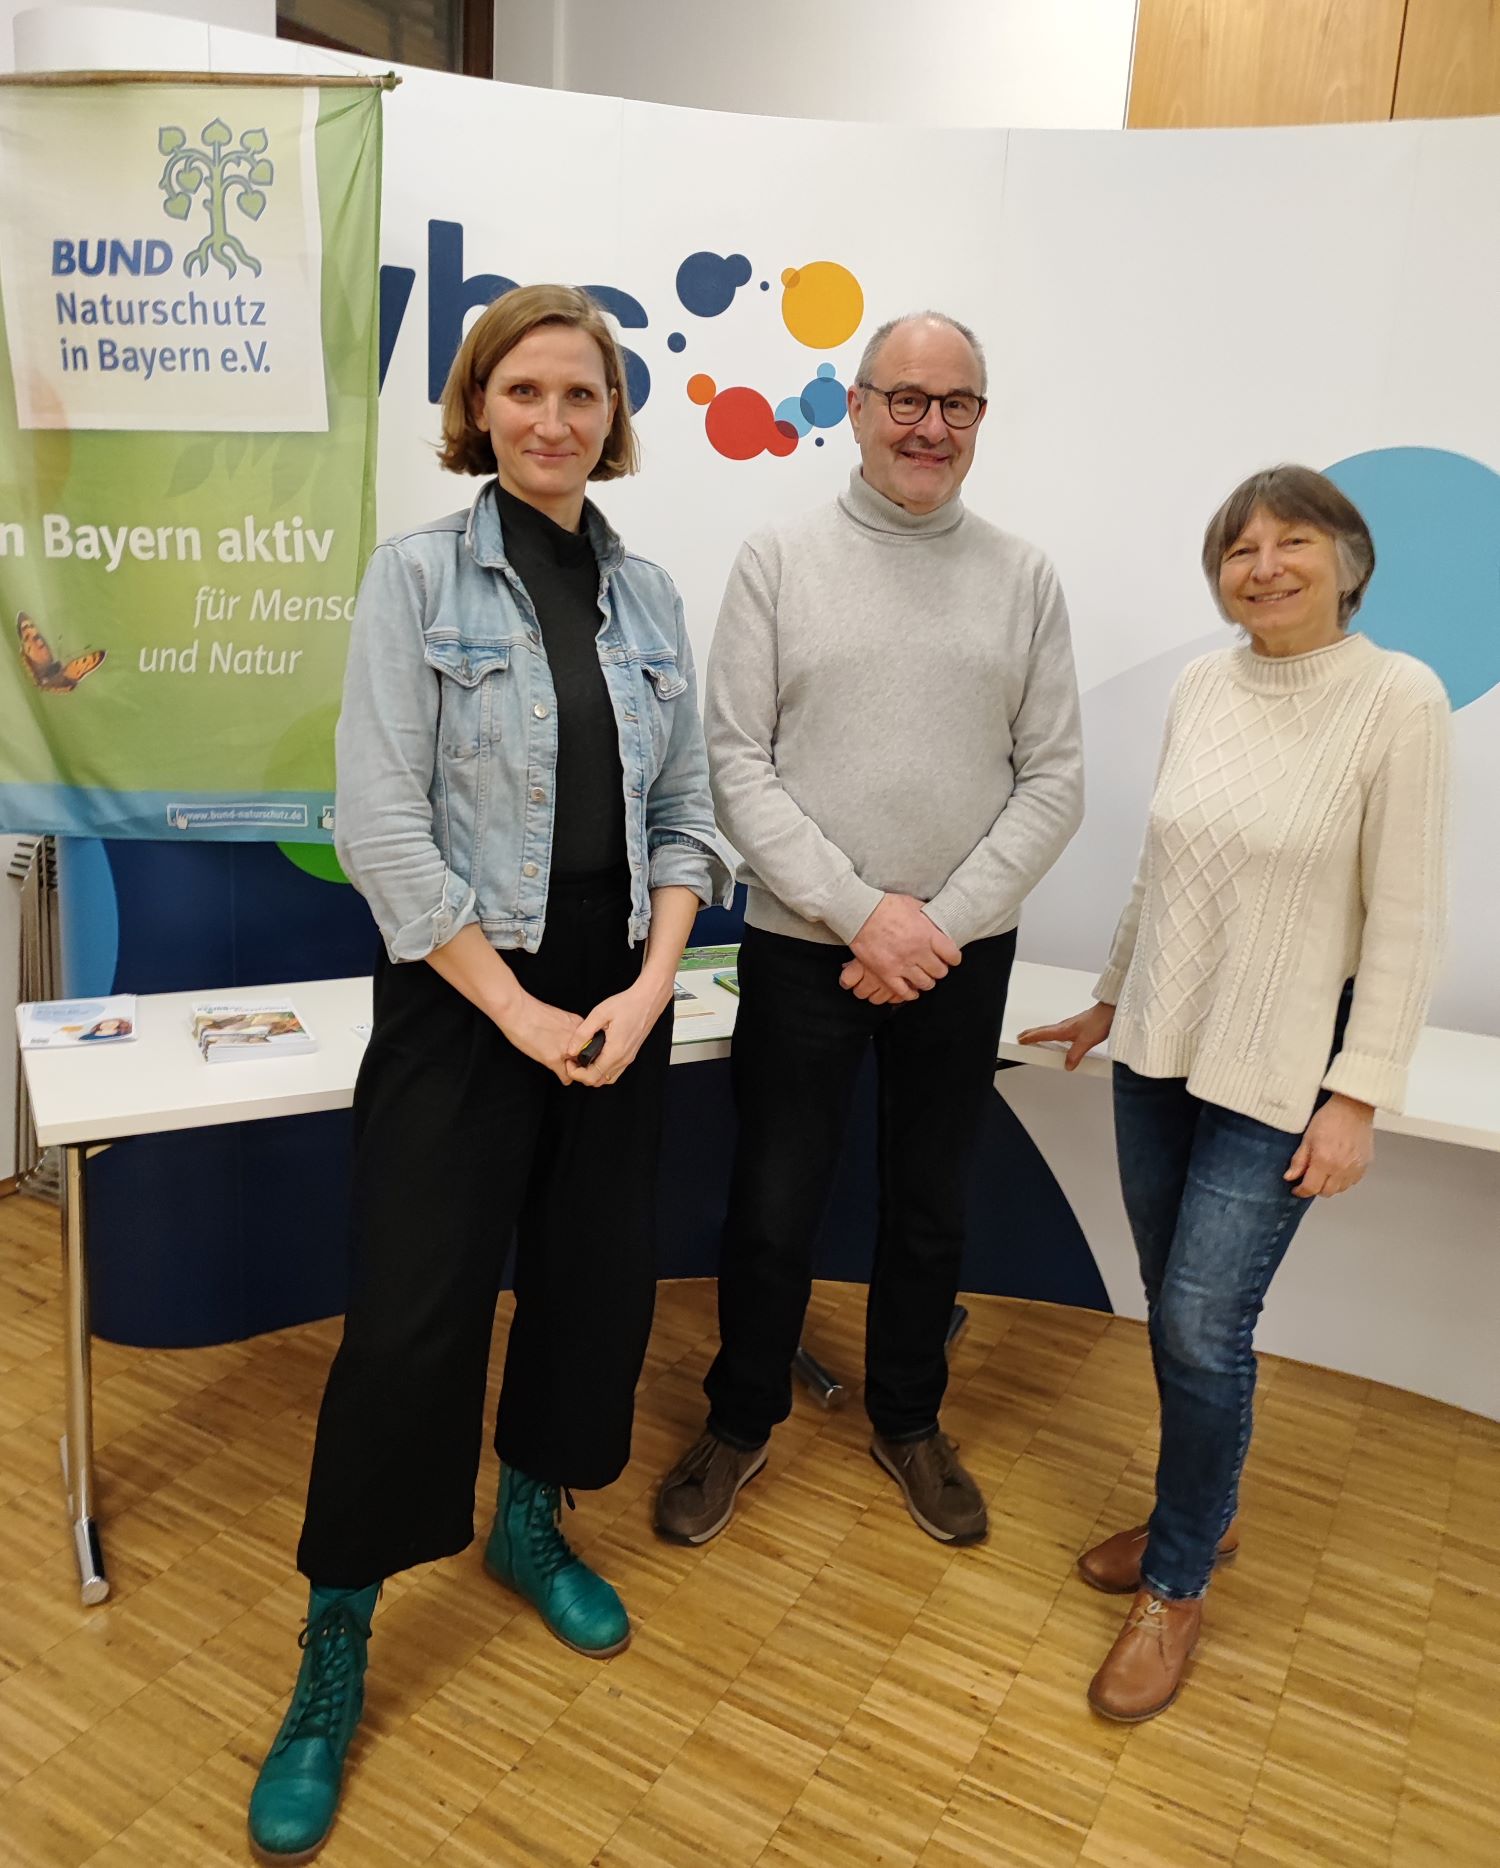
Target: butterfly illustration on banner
[{"x": 50, "y": 674}]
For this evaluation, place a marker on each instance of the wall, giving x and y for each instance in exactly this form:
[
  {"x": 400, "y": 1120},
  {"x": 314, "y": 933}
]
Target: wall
[
  {"x": 1020, "y": 63},
  {"x": 1042, "y": 63},
  {"x": 247, "y": 15},
  {"x": 1205, "y": 63}
]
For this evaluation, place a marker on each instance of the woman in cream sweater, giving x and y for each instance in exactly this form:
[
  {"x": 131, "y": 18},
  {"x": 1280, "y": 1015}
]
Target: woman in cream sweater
[{"x": 1266, "y": 988}]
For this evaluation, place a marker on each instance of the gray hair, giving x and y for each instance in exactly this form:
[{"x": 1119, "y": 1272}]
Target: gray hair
[
  {"x": 878, "y": 337},
  {"x": 1296, "y": 496}
]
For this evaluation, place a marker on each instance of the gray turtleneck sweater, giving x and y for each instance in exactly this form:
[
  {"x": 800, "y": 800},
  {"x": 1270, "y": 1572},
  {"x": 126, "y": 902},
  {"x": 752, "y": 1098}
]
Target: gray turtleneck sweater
[{"x": 891, "y": 707}]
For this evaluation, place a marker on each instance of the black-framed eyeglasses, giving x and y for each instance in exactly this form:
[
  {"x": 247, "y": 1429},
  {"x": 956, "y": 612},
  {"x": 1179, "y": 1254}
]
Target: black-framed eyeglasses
[{"x": 910, "y": 406}]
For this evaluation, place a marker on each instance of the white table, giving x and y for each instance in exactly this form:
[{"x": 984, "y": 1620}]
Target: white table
[
  {"x": 104, "y": 1093},
  {"x": 1452, "y": 1093},
  {"x": 82, "y": 1100}
]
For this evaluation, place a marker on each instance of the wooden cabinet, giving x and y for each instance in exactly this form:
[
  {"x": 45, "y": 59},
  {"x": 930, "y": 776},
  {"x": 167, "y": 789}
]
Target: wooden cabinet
[
  {"x": 1450, "y": 60},
  {"x": 1202, "y": 63}
]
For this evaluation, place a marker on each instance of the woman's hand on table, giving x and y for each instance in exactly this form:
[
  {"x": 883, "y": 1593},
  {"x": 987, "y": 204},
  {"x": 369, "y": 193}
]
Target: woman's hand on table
[
  {"x": 1080, "y": 1033},
  {"x": 1336, "y": 1148},
  {"x": 625, "y": 1019}
]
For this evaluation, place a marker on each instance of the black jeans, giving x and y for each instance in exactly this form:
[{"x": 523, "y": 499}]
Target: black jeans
[
  {"x": 460, "y": 1141},
  {"x": 798, "y": 1044}
]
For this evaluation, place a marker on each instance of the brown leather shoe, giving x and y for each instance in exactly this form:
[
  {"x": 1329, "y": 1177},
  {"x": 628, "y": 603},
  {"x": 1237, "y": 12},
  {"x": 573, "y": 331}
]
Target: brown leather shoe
[
  {"x": 696, "y": 1499},
  {"x": 1142, "y": 1672},
  {"x": 939, "y": 1494},
  {"x": 1115, "y": 1565}
]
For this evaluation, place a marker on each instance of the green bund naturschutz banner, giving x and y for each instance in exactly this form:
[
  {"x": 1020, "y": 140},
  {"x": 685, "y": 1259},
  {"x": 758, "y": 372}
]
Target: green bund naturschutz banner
[{"x": 188, "y": 364}]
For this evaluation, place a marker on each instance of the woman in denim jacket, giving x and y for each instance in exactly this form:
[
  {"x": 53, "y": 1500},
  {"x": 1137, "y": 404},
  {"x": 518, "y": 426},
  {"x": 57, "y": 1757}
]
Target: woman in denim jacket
[{"x": 523, "y": 801}]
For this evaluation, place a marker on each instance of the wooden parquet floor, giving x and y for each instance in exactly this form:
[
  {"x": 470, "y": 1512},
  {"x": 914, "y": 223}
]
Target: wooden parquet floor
[{"x": 822, "y": 1687}]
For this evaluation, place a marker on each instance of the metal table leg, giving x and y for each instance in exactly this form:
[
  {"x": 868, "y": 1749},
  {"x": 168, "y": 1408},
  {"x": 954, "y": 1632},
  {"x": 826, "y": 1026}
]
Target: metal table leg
[
  {"x": 828, "y": 1391},
  {"x": 77, "y": 1445}
]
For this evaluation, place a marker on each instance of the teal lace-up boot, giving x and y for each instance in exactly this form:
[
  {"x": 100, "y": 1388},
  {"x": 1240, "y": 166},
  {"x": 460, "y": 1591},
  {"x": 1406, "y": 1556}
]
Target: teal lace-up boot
[
  {"x": 293, "y": 1803},
  {"x": 528, "y": 1553}
]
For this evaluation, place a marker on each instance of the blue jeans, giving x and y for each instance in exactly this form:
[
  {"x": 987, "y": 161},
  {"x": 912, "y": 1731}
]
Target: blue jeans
[{"x": 1212, "y": 1219}]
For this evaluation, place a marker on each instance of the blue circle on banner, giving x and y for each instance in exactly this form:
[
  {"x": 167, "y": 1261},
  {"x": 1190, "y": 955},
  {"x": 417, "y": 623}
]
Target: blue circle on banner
[
  {"x": 790, "y": 410},
  {"x": 707, "y": 282},
  {"x": 825, "y": 401},
  {"x": 1435, "y": 519}
]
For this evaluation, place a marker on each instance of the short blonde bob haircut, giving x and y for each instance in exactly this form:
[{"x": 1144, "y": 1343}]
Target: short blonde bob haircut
[{"x": 498, "y": 329}]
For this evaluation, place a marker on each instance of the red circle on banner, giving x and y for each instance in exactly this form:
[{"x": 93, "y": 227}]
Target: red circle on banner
[{"x": 740, "y": 425}]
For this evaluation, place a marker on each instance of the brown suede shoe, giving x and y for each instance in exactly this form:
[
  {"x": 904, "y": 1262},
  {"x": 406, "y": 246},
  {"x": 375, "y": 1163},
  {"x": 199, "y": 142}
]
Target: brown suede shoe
[
  {"x": 1115, "y": 1565},
  {"x": 696, "y": 1499},
  {"x": 1142, "y": 1672},
  {"x": 939, "y": 1494}
]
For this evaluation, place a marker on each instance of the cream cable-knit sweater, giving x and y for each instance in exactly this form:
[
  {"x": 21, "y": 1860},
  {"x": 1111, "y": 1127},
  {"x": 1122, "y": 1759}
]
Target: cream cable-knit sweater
[{"x": 1295, "y": 840}]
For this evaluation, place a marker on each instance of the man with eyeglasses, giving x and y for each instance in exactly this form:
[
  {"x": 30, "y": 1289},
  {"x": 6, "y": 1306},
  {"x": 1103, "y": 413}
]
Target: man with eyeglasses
[{"x": 893, "y": 736}]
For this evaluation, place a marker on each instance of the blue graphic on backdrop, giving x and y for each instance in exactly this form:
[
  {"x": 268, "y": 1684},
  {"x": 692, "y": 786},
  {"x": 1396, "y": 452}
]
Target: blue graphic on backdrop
[
  {"x": 91, "y": 923},
  {"x": 707, "y": 282},
  {"x": 1435, "y": 518},
  {"x": 630, "y": 314},
  {"x": 825, "y": 399},
  {"x": 452, "y": 295},
  {"x": 822, "y": 403}
]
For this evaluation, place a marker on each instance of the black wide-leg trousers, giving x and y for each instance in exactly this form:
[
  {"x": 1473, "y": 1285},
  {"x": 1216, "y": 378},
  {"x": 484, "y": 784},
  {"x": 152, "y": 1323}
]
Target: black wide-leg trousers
[
  {"x": 460, "y": 1142},
  {"x": 799, "y": 1042}
]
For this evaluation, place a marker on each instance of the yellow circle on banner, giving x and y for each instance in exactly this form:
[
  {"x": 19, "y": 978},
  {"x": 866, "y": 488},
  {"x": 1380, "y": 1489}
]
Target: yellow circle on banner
[{"x": 822, "y": 304}]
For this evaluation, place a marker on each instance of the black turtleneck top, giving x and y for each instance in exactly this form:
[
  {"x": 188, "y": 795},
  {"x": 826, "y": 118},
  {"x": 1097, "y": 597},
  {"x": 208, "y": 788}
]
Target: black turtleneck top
[{"x": 561, "y": 575}]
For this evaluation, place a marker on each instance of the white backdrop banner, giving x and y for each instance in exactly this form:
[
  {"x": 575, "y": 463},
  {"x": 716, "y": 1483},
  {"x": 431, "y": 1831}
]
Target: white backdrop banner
[{"x": 1163, "y": 313}]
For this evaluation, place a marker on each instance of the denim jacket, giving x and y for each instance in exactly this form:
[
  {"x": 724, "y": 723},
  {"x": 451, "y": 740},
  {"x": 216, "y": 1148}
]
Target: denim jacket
[{"x": 447, "y": 742}]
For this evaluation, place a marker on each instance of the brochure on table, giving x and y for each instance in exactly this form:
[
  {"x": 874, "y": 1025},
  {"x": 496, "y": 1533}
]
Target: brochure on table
[
  {"x": 227, "y": 1030},
  {"x": 61, "y": 1024}
]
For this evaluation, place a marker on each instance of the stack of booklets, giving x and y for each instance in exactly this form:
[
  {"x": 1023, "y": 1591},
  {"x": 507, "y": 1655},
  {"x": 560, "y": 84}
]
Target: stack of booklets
[
  {"x": 56, "y": 1024},
  {"x": 724, "y": 963},
  {"x": 226, "y": 1030},
  {"x": 687, "y": 1004}
]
